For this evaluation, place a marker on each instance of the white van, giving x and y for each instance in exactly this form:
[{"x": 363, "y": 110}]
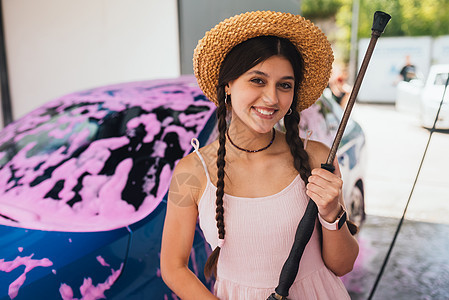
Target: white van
[
  {"x": 432, "y": 95},
  {"x": 423, "y": 98}
]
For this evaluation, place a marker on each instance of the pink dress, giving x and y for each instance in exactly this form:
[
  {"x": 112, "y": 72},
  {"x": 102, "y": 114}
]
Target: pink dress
[{"x": 259, "y": 236}]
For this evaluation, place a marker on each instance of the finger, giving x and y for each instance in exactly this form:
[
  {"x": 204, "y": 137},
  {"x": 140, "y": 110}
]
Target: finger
[
  {"x": 315, "y": 188},
  {"x": 326, "y": 180},
  {"x": 337, "y": 168},
  {"x": 314, "y": 196},
  {"x": 317, "y": 183},
  {"x": 325, "y": 203},
  {"x": 324, "y": 174},
  {"x": 327, "y": 189},
  {"x": 326, "y": 195}
]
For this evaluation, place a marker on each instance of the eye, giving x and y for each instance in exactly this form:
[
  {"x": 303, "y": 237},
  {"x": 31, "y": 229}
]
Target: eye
[
  {"x": 286, "y": 85},
  {"x": 257, "y": 80}
]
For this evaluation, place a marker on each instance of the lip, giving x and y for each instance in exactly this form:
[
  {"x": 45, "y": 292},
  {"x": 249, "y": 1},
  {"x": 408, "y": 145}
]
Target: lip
[{"x": 261, "y": 115}]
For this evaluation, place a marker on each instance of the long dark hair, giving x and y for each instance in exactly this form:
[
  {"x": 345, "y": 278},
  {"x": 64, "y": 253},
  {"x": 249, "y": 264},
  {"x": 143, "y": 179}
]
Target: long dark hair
[{"x": 239, "y": 60}]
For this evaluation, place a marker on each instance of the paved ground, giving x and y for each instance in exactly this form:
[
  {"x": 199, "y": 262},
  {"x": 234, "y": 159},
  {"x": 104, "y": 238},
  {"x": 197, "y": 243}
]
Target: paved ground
[
  {"x": 419, "y": 263},
  {"x": 395, "y": 145},
  {"x": 418, "y": 267}
]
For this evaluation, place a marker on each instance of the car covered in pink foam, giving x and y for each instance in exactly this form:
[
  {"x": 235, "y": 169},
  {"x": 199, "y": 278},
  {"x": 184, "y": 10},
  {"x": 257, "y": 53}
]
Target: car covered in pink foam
[{"x": 84, "y": 182}]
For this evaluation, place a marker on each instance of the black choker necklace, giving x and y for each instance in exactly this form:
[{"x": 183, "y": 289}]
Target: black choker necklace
[{"x": 252, "y": 151}]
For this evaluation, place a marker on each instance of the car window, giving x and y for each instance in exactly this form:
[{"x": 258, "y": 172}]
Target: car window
[
  {"x": 440, "y": 79},
  {"x": 100, "y": 159}
]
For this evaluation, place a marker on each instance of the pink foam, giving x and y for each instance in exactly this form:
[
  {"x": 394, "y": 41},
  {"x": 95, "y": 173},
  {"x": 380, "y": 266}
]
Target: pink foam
[
  {"x": 29, "y": 263},
  {"x": 66, "y": 292},
  {"x": 88, "y": 290},
  {"x": 14, "y": 287},
  {"x": 312, "y": 119},
  {"x": 152, "y": 126},
  {"x": 101, "y": 207},
  {"x": 184, "y": 136},
  {"x": 102, "y": 261}
]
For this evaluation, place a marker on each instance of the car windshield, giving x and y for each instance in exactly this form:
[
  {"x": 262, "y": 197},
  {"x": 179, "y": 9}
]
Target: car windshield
[
  {"x": 440, "y": 79},
  {"x": 100, "y": 159}
]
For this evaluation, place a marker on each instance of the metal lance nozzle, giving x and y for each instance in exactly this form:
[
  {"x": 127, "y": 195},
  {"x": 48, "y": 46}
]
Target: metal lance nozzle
[{"x": 380, "y": 21}]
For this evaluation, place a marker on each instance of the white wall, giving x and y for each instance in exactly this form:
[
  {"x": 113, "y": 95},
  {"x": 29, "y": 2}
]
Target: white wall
[
  {"x": 382, "y": 75},
  {"x": 440, "y": 50},
  {"x": 55, "y": 47},
  {"x": 380, "y": 81}
]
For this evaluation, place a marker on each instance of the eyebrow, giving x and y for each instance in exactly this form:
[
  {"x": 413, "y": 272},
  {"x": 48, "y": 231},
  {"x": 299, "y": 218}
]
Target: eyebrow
[{"x": 266, "y": 75}]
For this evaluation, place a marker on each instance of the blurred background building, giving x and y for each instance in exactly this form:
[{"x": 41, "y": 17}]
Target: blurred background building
[{"x": 55, "y": 47}]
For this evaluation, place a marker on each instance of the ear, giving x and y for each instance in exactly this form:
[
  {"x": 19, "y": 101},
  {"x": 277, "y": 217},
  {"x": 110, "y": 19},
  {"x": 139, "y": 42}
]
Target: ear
[{"x": 227, "y": 88}]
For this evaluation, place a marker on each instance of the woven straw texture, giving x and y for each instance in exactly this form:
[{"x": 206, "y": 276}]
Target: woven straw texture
[{"x": 308, "y": 39}]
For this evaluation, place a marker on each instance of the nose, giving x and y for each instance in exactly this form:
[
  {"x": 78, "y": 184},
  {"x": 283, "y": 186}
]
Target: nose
[{"x": 269, "y": 96}]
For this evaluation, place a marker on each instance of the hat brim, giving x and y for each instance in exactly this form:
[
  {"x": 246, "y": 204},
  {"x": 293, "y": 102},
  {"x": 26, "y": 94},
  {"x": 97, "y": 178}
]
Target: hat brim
[{"x": 309, "y": 40}]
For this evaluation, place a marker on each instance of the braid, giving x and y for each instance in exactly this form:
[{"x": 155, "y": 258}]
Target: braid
[
  {"x": 300, "y": 156},
  {"x": 221, "y": 152},
  {"x": 211, "y": 263}
]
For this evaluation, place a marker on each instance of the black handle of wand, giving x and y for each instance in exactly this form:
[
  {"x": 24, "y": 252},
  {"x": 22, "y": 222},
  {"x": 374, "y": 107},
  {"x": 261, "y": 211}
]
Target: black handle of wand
[{"x": 307, "y": 223}]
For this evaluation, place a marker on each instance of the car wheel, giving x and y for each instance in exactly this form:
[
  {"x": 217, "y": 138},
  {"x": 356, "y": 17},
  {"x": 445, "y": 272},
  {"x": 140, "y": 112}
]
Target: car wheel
[{"x": 356, "y": 207}]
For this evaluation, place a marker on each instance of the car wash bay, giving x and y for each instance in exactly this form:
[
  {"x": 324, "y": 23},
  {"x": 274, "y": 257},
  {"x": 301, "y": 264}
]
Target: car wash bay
[{"x": 418, "y": 266}]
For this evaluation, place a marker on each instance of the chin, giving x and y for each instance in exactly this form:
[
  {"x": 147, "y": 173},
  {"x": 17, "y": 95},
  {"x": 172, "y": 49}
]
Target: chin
[{"x": 263, "y": 129}]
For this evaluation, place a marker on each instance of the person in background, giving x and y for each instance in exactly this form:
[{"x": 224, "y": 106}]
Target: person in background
[
  {"x": 408, "y": 71},
  {"x": 339, "y": 87}
]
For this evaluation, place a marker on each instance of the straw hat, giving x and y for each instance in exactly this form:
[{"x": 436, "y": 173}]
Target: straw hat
[{"x": 310, "y": 41}]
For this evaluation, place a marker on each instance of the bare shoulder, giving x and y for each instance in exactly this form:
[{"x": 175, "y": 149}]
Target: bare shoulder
[
  {"x": 188, "y": 181},
  {"x": 318, "y": 153},
  {"x": 189, "y": 164},
  {"x": 209, "y": 152}
]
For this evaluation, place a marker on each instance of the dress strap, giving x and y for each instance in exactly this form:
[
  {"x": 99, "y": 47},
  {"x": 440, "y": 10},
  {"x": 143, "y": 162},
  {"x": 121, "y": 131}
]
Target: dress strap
[
  {"x": 308, "y": 135},
  {"x": 196, "y": 145}
]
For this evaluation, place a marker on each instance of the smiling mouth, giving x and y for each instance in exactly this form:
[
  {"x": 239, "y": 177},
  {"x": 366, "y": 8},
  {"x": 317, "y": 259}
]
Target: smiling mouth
[{"x": 265, "y": 112}]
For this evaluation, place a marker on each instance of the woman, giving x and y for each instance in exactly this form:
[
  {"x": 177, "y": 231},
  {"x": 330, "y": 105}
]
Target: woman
[{"x": 251, "y": 186}]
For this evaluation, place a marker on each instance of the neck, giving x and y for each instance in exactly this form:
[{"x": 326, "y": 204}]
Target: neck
[{"x": 249, "y": 139}]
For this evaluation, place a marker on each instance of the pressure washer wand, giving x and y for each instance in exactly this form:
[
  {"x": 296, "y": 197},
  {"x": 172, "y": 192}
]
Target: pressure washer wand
[
  {"x": 306, "y": 225},
  {"x": 380, "y": 21}
]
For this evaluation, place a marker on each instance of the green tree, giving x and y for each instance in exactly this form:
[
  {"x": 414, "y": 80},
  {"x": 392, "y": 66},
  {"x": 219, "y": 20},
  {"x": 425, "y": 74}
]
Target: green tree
[
  {"x": 408, "y": 17},
  {"x": 323, "y": 13},
  {"x": 320, "y": 9}
]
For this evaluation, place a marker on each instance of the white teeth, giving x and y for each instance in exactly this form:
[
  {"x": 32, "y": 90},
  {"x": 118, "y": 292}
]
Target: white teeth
[{"x": 264, "y": 112}]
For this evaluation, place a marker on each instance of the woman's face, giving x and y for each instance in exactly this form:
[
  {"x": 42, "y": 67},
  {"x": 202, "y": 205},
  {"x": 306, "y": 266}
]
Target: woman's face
[{"x": 263, "y": 95}]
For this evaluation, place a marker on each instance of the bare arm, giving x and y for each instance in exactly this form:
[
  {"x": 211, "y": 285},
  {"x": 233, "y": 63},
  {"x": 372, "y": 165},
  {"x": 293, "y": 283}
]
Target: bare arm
[
  {"x": 179, "y": 231},
  {"x": 340, "y": 248}
]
